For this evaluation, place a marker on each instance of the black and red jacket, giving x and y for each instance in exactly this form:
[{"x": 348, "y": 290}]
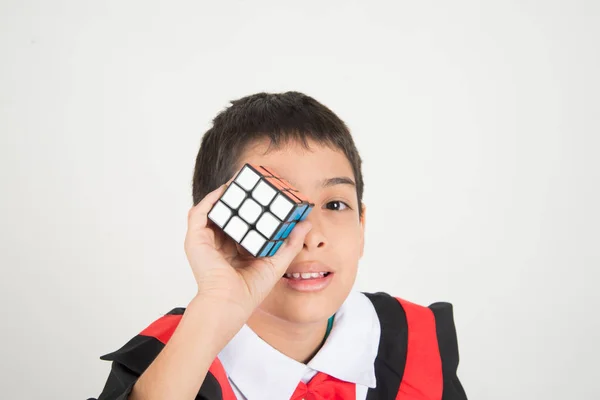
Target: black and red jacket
[{"x": 417, "y": 356}]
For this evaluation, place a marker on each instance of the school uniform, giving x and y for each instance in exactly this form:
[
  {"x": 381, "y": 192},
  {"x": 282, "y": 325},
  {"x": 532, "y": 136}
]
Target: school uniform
[{"x": 379, "y": 347}]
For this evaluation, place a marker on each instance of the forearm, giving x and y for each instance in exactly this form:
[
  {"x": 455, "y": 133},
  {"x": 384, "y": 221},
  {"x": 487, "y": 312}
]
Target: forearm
[{"x": 181, "y": 367}]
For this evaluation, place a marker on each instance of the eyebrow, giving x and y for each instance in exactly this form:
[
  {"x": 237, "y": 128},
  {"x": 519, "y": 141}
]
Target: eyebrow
[{"x": 338, "y": 180}]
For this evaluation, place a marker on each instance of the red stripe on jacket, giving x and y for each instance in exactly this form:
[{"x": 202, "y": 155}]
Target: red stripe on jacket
[{"x": 423, "y": 379}]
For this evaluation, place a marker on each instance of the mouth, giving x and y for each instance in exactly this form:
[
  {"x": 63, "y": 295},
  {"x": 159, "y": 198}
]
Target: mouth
[{"x": 308, "y": 276}]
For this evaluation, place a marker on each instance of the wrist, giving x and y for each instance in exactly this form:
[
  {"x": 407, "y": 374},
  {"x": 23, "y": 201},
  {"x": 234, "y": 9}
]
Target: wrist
[{"x": 223, "y": 317}]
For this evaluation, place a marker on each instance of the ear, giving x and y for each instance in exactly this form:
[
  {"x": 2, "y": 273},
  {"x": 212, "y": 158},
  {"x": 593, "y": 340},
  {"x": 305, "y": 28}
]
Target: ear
[{"x": 363, "y": 220}]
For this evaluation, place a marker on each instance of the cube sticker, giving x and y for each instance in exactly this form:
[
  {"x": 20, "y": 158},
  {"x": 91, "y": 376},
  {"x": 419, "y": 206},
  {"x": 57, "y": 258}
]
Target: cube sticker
[
  {"x": 247, "y": 178},
  {"x": 295, "y": 216},
  {"x": 233, "y": 196},
  {"x": 236, "y": 228},
  {"x": 308, "y": 210},
  {"x": 259, "y": 210},
  {"x": 253, "y": 242},
  {"x": 288, "y": 230},
  {"x": 266, "y": 249},
  {"x": 281, "y": 231},
  {"x": 267, "y": 224},
  {"x": 281, "y": 206},
  {"x": 264, "y": 193},
  {"x": 275, "y": 248},
  {"x": 220, "y": 214},
  {"x": 250, "y": 211}
]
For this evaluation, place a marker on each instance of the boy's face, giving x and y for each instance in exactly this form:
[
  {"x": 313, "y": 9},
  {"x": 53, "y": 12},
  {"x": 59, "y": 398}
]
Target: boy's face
[{"x": 335, "y": 243}]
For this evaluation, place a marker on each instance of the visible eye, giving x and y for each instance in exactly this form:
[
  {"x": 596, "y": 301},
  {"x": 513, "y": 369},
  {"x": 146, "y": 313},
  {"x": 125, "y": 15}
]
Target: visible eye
[{"x": 337, "y": 205}]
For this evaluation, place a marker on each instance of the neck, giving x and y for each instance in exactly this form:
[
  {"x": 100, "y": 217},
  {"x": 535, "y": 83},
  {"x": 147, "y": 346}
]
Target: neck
[{"x": 298, "y": 341}]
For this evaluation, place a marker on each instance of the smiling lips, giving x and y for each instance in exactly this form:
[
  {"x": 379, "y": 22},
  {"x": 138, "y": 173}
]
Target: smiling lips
[
  {"x": 310, "y": 276},
  {"x": 306, "y": 275}
]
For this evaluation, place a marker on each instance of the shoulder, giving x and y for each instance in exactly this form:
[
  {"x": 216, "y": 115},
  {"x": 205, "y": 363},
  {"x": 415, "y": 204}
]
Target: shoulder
[
  {"x": 142, "y": 348},
  {"x": 432, "y": 326},
  {"x": 400, "y": 314},
  {"x": 391, "y": 308},
  {"x": 419, "y": 341},
  {"x": 135, "y": 356}
]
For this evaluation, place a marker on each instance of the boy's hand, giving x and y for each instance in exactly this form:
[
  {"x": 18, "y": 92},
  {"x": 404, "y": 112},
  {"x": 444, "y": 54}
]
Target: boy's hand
[{"x": 225, "y": 272}]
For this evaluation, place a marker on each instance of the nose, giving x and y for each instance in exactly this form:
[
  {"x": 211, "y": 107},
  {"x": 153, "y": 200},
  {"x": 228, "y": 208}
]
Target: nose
[{"x": 315, "y": 238}]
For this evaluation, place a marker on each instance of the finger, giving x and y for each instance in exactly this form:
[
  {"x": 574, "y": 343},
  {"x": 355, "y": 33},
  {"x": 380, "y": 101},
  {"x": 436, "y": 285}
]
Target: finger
[
  {"x": 261, "y": 276},
  {"x": 197, "y": 216},
  {"x": 291, "y": 247}
]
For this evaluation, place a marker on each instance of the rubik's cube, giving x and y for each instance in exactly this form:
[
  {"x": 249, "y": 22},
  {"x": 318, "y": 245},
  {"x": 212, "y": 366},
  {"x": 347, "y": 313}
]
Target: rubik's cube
[{"x": 259, "y": 209}]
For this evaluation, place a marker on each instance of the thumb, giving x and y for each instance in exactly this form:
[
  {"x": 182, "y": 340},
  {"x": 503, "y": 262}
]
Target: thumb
[
  {"x": 291, "y": 247},
  {"x": 269, "y": 270}
]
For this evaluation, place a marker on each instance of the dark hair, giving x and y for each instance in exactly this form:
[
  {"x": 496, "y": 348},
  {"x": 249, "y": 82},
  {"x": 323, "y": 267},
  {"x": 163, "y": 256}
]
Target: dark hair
[{"x": 280, "y": 117}]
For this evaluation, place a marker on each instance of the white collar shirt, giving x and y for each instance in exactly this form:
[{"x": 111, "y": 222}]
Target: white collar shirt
[{"x": 258, "y": 371}]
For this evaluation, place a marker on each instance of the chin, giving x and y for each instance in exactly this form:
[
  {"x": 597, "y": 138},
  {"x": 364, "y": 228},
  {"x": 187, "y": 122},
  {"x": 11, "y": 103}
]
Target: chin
[
  {"x": 305, "y": 314},
  {"x": 300, "y": 307}
]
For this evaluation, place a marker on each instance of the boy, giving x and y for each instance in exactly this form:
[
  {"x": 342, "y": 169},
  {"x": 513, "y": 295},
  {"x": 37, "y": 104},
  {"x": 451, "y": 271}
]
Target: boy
[{"x": 287, "y": 326}]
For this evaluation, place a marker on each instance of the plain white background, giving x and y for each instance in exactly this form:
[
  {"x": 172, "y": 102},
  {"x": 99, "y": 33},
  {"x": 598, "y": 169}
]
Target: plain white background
[{"x": 478, "y": 123}]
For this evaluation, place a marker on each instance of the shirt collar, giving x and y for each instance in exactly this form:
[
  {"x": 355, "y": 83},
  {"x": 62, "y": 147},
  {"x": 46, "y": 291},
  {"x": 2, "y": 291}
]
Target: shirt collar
[
  {"x": 350, "y": 350},
  {"x": 260, "y": 371}
]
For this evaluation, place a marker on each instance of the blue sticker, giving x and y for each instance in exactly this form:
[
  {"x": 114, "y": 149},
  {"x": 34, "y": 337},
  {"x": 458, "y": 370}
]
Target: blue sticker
[
  {"x": 308, "y": 210},
  {"x": 292, "y": 216},
  {"x": 288, "y": 230},
  {"x": 299, "y": 212},
  {"x": 277, "y": 246},
  {"x": 281, "y": 231},
  {"x": 266, "y": 249}
]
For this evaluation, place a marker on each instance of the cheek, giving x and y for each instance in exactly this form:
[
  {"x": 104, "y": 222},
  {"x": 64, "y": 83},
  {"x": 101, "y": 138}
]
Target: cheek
[
  {"x": 345, "y": 234},
  {"x": 349, "y": 223}
]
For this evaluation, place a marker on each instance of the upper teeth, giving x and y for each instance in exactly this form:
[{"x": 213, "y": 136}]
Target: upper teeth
[{"x": 305, "y": 275}]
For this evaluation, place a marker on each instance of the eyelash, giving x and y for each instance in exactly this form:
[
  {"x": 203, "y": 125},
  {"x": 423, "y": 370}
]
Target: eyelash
[{"x": 338, "y": 201}]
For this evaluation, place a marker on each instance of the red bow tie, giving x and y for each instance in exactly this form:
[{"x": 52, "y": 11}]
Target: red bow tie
[{"x": 325, "y": 387}]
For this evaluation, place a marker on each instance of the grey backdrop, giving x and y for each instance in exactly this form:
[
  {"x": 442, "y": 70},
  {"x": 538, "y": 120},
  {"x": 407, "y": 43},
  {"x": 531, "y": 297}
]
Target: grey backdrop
[{"x": 478, "y": 123}]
